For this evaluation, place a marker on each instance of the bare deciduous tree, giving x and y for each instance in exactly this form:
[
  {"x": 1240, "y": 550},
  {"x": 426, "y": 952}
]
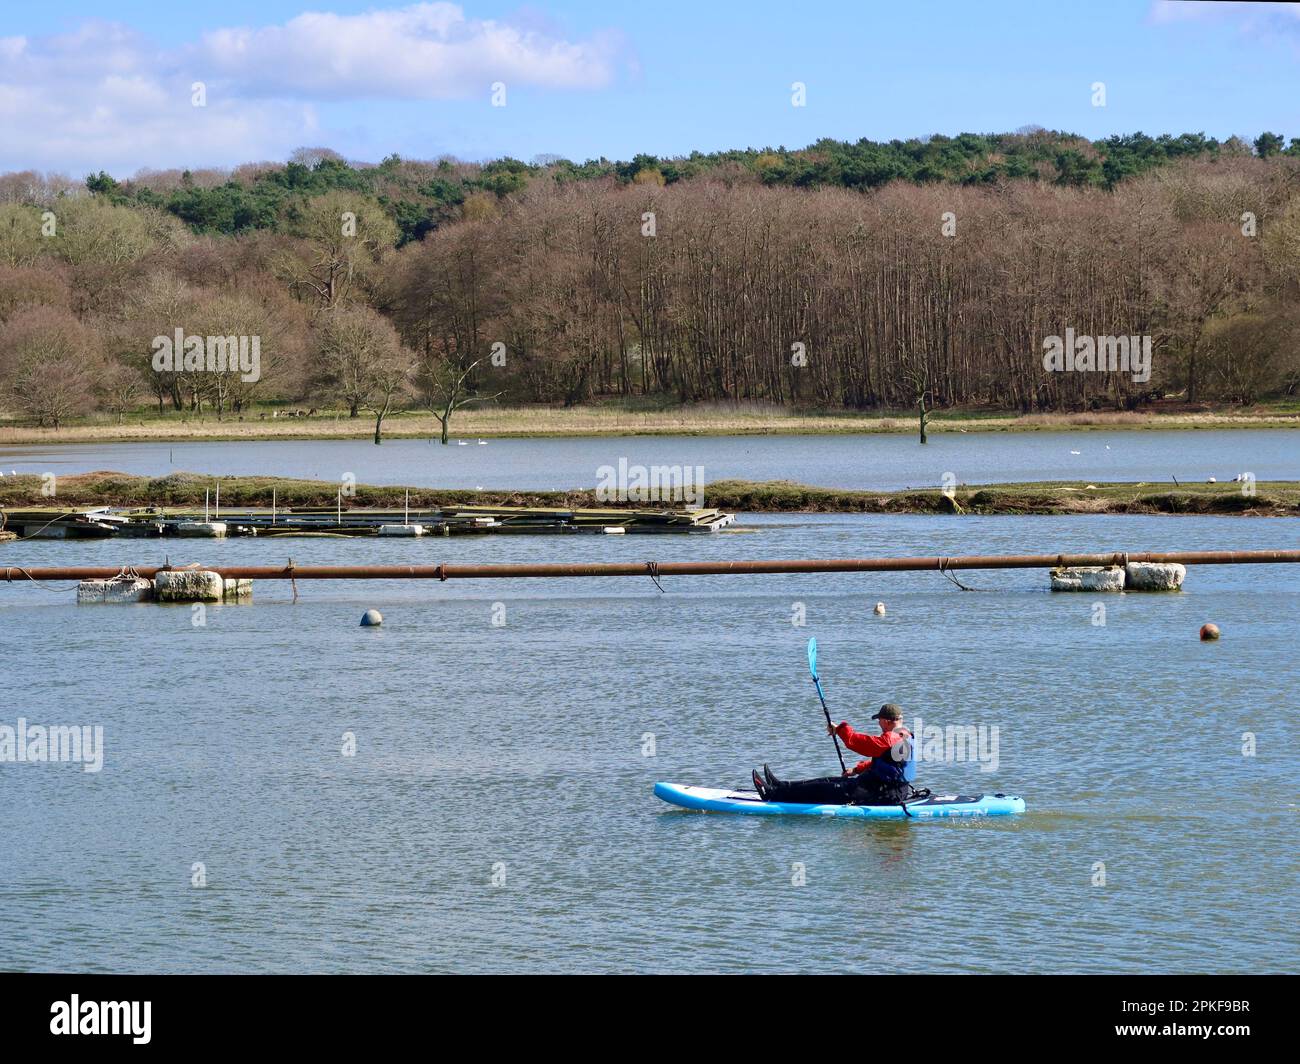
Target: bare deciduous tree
[{"x": 48, "y": 363}]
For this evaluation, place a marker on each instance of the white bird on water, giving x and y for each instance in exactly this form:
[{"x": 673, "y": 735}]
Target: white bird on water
[
  {"x": 461, "y": 443},
  {"x": 482, "y": 443},
  {"x": 1076, "y": 452}
]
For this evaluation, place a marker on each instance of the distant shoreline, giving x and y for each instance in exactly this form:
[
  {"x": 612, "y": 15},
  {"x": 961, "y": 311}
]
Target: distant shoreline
[
  {"x": 120, "y": 490},
  {"x": 609, "y": 420}
]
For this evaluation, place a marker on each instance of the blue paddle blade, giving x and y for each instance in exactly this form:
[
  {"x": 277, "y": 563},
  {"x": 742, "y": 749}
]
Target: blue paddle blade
[{"x": 812, "y": 657}]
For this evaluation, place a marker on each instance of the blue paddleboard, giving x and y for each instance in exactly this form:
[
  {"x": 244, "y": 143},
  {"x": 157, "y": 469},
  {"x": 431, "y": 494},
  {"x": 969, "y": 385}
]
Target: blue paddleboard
[{"x": 713, "y": 800}]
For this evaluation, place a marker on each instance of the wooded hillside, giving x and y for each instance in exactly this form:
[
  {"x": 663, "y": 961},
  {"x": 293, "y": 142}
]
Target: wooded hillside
[{"x": 859, "y": 275}]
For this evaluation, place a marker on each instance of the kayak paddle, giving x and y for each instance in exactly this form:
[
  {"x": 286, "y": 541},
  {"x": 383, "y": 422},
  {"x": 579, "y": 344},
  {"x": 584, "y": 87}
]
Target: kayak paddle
[{"x": 812, "y": 668}]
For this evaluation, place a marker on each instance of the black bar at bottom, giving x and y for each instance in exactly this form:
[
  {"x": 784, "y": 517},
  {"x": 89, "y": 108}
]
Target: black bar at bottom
[{"x": 729, "y": 1014}]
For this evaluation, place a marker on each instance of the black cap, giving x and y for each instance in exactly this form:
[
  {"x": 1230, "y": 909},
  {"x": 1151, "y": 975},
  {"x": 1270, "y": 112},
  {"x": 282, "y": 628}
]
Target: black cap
[{"x": 888, "y": 711}]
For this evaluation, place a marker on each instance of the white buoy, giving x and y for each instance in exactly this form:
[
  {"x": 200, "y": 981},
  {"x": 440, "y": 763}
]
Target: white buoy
[
  {"x": 371, "y": 619},
  {"x": 880, "y": 609}
]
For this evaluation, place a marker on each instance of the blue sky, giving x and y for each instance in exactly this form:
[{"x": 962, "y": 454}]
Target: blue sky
[{"x": 81, "y": 89}]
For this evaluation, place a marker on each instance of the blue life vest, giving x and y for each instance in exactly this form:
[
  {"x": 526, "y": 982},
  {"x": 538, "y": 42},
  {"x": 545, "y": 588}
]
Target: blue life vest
[{"x": 899, "y": 764}]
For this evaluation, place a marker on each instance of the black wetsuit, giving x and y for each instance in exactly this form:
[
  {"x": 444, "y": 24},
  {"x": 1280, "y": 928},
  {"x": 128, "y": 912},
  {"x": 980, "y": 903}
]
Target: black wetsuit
[{"x": 862, "y": 789}]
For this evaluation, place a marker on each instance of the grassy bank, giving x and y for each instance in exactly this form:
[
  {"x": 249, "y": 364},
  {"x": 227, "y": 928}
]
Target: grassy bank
[
  {"x": 1271, "y": 499},
  {"x": 633, "y": 420},
  {"x": 187, "y": 489}
]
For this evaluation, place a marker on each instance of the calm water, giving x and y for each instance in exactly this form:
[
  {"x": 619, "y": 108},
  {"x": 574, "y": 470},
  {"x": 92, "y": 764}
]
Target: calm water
[
  {"x": 875, "y": 461},
  {"x": 519, "y": 748}
]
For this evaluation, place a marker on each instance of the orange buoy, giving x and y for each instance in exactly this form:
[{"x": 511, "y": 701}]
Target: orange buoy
[{"x": 1209, "y": 632}]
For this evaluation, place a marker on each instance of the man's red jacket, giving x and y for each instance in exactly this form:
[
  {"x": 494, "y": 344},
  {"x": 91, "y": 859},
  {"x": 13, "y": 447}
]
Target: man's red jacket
[{"x": 871, "y": 745}]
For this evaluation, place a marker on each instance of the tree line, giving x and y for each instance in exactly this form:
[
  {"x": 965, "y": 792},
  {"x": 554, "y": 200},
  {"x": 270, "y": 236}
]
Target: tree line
[
  {"x": 737, "y": 280},
  {"x": 419, "y": 196}
]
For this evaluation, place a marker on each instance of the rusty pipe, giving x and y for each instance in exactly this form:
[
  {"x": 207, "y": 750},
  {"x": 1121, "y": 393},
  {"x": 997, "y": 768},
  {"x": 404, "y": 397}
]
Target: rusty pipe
[{"x": 704, "y": 568}]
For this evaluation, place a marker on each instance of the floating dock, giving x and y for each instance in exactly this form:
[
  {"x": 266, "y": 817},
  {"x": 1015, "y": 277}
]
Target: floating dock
[{"x": 105, "y": 521}]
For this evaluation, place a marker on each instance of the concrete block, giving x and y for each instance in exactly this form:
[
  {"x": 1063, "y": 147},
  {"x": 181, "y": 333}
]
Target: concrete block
[
  {"x": 189, "y": 585},
  {"x": 1088, "y": 578},
  {"x": 114, "y": 591},
  {"x": 237, "y": 589},
  {"x": 1154, "y": 576}
]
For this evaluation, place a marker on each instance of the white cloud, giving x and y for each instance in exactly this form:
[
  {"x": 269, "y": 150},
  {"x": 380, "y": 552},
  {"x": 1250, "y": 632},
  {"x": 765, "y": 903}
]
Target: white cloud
[
  {"x": 1253, "y": 18},
  {"x": 106, "y": 96},
  {"x": 425, "y": 51}
]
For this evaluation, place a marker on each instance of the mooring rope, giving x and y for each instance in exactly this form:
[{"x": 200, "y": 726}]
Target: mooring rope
[
  {"x": 653, "y": 569},
  {"x": 943, "y": 568}
]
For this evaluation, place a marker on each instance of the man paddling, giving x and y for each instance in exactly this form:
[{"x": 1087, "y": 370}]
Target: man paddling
[{"x": 884, "y": 777}]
